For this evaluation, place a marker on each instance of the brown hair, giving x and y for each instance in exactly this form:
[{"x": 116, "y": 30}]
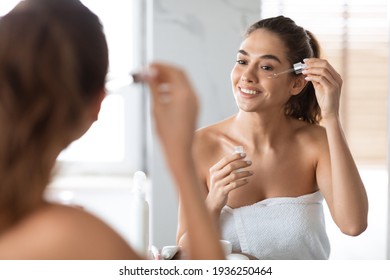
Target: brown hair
[
  {"x": 53, "y": 62},
  {"x": 300, "y": 44}
]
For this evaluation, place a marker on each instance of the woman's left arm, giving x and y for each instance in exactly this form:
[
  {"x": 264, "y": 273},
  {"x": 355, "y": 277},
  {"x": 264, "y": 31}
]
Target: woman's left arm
[{"x": 337, "y": 173}]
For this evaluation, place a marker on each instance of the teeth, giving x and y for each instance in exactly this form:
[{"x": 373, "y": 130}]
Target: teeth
[{"x": 248, "y": 91}]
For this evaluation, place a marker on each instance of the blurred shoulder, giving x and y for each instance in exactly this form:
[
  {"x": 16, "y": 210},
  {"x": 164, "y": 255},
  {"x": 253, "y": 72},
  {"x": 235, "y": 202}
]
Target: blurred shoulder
[{"x": 62, "y": 232}]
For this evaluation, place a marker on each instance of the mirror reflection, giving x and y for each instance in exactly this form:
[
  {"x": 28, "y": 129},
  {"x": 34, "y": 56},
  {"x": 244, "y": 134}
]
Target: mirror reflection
[{"x": 207, "y": 45}]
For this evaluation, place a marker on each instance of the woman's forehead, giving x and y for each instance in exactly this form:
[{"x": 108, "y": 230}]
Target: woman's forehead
[{"x": 264, "y": 42}]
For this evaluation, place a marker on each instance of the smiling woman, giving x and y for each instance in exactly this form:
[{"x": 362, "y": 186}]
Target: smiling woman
[
  {"x": 302, "y": 106},
  {"x": 356, "y": 37},
  {"x": 268, "y": 199}
]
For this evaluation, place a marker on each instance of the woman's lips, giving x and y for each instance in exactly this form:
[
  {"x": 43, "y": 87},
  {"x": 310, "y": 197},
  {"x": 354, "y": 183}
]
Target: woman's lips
[{"x": 249, "y": 91}]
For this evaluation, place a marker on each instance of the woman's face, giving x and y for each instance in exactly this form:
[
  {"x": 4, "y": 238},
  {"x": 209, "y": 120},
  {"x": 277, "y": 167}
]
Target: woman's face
[{"x": 260, "y": 55}]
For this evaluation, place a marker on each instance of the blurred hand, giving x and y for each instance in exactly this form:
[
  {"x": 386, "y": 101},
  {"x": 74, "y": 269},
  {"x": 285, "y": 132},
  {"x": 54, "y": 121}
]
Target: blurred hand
[
  {"x": 174, "y": 108},
  {"x": 175, "y": 111}
]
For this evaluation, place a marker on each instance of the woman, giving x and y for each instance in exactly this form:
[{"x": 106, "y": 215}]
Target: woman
[
  {"x": 267, "y": 199},
  {"x": 53, "y": 64}
]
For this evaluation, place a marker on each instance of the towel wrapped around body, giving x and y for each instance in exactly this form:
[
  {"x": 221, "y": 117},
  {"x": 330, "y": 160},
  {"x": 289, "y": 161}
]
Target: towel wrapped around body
[{"x": 281, "y": 228}]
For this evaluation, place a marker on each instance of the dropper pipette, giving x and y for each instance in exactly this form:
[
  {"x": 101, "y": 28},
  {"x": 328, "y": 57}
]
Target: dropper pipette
[{"x": 297, "y": 68}]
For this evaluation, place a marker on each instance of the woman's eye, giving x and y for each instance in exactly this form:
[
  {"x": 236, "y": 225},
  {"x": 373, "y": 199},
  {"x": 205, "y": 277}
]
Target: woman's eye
[
  {"x": 266, "y": 68},
  {"x": 240, "y": 61}
]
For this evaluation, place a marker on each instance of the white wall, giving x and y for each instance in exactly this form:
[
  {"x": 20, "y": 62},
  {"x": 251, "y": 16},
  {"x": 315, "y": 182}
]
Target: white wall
[{"x": 371, "y": 244}]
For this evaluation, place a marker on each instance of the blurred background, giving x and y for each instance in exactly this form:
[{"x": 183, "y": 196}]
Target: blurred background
[{"x": 203, "y": 36}]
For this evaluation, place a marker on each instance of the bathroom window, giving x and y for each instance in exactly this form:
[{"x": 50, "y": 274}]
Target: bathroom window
[
  {"x": 354, "y": 38},
  {"x": 112, "y": 143},
  {"x": 116, "y": 143}
]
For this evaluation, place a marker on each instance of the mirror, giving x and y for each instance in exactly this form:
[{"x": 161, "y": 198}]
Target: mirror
[{"x": 205, "y": 43}]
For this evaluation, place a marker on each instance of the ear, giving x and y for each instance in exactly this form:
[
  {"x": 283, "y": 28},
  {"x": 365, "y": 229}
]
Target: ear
[
  {"x": 97, "y": 103},
  {"x": 298, "y": 84}
]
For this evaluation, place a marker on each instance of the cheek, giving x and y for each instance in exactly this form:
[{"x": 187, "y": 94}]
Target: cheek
[{"x": 235, "y": 76}]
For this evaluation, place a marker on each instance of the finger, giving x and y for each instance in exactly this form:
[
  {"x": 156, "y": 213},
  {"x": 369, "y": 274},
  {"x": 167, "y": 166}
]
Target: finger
[
  {"x": 218, "y": 175},
  {"x": 160, "y": 83},
  {"x": 324, "y": 83},
  {"x": 164, "y": 96},
  {"x": 236, "y": 184},
  {"x": 235, "y": 166},
  {"x": 241, "y": 174},
  {"x": 226, "y": 160},
  {"x": 235, "y": 176},
  {"x": 317, "y": 63},
  {"x": 163, "y": 81},
  {"x": 319, "y": 72}
]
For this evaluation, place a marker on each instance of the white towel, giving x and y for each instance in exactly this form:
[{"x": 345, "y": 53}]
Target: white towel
[{"x": 278, "y": 228}]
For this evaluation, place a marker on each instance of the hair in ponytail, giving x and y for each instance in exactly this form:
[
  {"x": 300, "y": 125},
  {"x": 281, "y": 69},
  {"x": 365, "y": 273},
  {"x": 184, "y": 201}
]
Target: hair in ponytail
[{"x": 53, "y": 62}]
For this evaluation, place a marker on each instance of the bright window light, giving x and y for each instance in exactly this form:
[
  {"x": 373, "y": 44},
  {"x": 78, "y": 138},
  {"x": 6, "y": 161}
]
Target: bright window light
[
  {"x": 7, "y": 5},
  {"x": 114, "y": 143},
  {"x": 105, "y": 141}
]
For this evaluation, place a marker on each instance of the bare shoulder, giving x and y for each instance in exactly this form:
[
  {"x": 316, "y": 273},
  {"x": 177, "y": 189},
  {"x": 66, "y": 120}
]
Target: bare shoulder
[
  {"x": 311, "y": 133},
  {"x": 62, "y": 232},
  {"x": 311, "y": 139},
  {"x": 208, "y": 146},
  {"x": 209, "y": 137},
  {"x": 206, "y": 138}
]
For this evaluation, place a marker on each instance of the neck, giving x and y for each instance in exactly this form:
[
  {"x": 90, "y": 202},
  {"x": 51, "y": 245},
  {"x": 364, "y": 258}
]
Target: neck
[
  {"x": 260, "y": 130},
  {"x": 10, "y": 215}
]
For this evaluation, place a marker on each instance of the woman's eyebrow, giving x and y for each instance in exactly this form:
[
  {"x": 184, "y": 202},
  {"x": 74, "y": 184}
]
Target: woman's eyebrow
[{"x": 265, "y": 56}]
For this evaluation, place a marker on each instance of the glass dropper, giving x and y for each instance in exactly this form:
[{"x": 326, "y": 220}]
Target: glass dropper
[{"x": 297, "y": 68}]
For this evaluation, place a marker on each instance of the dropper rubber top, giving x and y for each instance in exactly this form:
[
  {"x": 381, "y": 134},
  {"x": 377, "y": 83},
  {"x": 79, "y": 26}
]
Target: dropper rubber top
[{"x": 299, "y": 67}]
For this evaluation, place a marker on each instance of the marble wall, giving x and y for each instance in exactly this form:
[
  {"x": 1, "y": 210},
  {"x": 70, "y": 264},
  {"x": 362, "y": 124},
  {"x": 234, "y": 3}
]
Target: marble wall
[{"x": 203, "y": 37}]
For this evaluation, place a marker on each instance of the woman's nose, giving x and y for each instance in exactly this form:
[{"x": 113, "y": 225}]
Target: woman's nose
[
  {"x": 249, "y": 76},
  {"x": 246, "y": 79}
]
